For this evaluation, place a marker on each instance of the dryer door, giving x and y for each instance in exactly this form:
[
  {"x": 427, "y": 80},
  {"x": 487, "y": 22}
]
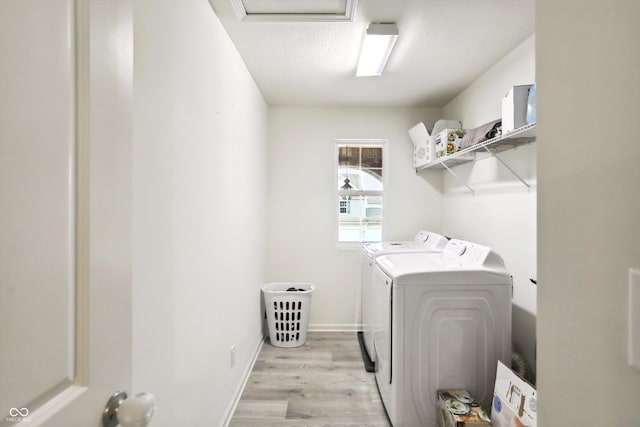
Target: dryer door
[
  {"x": 367, "y": 305},
  {"x": 382, "y": 339},
  {"x": 455, "y": 336}
]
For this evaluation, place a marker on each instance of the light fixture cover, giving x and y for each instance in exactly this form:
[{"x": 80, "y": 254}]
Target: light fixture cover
[{"x": 376, "y": 49}]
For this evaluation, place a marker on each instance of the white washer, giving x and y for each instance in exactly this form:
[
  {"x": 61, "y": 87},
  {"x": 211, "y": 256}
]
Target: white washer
[
  {"x": 425, "y": 241},
  {"x": 442, "y": 321}
]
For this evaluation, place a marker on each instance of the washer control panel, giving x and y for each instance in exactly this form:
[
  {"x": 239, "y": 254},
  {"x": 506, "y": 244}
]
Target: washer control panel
[
  {"x": 455, "y": 247},
  {"x": 421, "y": 237},
  {"x": 467, "y": 252},
  {"x": 429, "y": 240}
]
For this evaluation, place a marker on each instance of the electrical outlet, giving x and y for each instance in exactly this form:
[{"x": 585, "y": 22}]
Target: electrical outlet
[{"x": 232, "y": 355}]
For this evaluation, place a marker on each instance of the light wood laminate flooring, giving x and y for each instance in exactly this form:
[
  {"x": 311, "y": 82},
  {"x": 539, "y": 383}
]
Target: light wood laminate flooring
[{"x": 322, "y": 383}]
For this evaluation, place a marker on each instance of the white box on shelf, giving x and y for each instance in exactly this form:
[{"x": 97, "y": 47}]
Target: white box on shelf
[
  {"x": 424, "y": 150},
  {"x": 514, "y": 108}
]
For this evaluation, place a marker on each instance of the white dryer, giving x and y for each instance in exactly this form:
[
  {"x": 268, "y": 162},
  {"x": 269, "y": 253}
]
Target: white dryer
[
  {"x": 425, "y": 241},
  {"x": 442, "y": 321}
]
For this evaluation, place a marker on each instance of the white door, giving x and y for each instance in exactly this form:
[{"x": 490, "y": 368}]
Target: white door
[{"x": 65, "y": 210}]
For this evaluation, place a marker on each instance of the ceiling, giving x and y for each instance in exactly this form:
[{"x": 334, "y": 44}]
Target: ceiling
[{"x": 443, "y": 46}]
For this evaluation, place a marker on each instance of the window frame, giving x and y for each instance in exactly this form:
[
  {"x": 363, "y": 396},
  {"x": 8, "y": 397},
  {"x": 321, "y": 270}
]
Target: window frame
[{"x": 383, "y": 143}]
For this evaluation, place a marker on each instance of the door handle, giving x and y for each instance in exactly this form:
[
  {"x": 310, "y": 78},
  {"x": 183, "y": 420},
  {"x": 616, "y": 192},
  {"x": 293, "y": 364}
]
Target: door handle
[{"x": 136, "y": 411}]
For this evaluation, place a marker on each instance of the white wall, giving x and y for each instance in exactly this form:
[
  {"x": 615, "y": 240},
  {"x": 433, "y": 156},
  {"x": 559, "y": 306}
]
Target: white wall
[
  {"x": 502, "y": 213},
  {"x": 302, "y": 200},
  {"x": 199, "y": 197},
  {"x": 588, "y": 57}
]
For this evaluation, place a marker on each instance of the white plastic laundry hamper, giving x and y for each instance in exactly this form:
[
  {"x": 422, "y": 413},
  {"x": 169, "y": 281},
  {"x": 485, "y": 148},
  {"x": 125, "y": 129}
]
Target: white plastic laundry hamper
[{"x": 288, "y": 305}]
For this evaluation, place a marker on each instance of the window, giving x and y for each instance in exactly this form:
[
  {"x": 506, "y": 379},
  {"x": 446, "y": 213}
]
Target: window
[{"x": 360, "y": 171}]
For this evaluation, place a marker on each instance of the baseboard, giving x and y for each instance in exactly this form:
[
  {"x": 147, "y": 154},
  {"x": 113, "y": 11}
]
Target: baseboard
[
  {"x": 245, "y": 377},
  {"x": 334, "y": 327}
]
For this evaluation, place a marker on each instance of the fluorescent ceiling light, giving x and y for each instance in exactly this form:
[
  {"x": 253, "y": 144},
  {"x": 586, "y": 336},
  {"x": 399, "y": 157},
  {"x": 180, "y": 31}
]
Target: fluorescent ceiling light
[{"x": 376, "y": 49}]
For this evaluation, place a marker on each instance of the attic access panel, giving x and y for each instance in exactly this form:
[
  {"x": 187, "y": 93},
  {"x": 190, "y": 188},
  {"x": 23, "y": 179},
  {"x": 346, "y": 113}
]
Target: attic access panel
[{"x": 295, "y": 10}]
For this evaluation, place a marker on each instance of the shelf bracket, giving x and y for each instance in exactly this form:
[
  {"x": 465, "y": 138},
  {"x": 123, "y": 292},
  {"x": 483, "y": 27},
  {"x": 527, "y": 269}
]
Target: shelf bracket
[
  {"x": 508, "y": 167},
  {"x": 458, "y": 178}
]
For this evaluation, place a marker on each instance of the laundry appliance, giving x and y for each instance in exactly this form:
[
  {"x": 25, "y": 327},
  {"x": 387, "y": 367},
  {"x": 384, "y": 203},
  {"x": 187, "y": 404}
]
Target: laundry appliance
[
  {"x": 442, "y": 321},
  {"x": 424, "y": 241}
]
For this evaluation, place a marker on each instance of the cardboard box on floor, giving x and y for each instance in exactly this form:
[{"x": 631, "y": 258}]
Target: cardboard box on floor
[
  {"x": 514, "y": 400},
  {"x": 457, "y": 408}
]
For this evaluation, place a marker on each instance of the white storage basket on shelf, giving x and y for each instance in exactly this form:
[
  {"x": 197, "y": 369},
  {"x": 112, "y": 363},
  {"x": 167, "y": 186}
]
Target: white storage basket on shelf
[{"x": 288, "y": 305}]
